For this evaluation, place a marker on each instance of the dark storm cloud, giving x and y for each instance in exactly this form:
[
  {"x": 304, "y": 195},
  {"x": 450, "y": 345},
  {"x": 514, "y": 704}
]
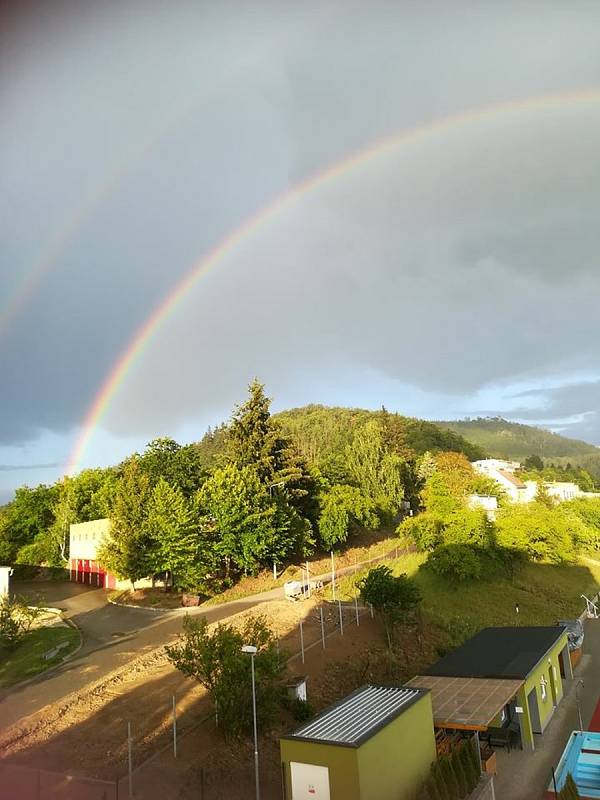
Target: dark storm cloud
[{"x": 463, "y": 263}]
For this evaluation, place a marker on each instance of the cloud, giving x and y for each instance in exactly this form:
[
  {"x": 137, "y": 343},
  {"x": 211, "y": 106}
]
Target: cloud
[
  {"x": 19, "y": 467},
  {"x": 455, "y": 265}
]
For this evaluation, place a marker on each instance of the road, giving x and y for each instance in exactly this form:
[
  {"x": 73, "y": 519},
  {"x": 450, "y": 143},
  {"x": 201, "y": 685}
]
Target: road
[{"x": 112, "y": 636}]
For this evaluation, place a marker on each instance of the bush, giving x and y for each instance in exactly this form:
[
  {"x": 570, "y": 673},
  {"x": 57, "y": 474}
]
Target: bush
[
  {"x": 16, "y": 619},
  {"x": 301, "y": 709},
  {"x": 543, "y": 534},
  {"x": 455, "y": 562},
  {"x": 215, "y": 659},
  {"x": 424, "y": 531}
]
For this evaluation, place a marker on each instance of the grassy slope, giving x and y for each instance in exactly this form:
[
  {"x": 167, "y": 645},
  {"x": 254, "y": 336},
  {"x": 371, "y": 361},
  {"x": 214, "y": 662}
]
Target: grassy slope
[
  {"x": 505, "y": 439},
  {"x": 28, "y": 658},
  {"x": 544, "y": 593}
]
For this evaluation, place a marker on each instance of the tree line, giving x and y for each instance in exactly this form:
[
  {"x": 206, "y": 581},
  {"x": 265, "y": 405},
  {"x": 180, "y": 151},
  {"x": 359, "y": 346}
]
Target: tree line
[{"x": 249, "y": 494}]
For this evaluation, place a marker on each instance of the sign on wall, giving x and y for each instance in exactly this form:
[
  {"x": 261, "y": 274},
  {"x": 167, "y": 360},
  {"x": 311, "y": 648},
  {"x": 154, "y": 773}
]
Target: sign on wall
[{"x": 309, "y": 782}]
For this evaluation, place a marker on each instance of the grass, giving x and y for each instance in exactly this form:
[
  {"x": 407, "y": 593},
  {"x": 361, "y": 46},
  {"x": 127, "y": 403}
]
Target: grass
[
  {"x": 544, "y": 594},
  {"x": 147, "y": 598},
  {"x": 28, "y": 660}
]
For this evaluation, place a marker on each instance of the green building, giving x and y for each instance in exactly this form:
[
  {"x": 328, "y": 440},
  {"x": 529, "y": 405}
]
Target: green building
[
  {"x": 504, "y": 682},
  {"x": 376, "y": 744}
]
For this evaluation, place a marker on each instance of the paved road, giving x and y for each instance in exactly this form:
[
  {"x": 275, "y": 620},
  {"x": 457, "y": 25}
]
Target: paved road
[
  {"x": 112, "y": 636},
  {"x": 525, "y": 776}
]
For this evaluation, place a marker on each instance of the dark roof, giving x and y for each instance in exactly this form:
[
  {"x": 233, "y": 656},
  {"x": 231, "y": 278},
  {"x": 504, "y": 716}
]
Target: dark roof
[
  {"x": 498, "y": 653},
  {"x": 359, "y": 716}
]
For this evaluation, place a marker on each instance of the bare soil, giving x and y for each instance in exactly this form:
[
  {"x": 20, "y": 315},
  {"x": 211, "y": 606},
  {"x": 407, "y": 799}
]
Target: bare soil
[{"x": 87, "y": 734}]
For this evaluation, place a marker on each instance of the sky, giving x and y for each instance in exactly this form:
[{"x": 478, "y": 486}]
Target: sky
[{"x": 448, "y": 274}]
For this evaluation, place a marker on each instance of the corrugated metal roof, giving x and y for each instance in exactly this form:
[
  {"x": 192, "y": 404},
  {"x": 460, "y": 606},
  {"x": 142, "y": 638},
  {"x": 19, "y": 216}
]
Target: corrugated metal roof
[{"x": 358, "y": 716}]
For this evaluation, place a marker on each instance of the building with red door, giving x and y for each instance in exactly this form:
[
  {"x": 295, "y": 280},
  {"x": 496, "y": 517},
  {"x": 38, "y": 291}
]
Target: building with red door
[{"x": 84, "y": 542}]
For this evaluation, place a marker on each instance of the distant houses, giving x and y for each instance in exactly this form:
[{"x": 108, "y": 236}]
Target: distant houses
[{"x": 517, "y": 490}]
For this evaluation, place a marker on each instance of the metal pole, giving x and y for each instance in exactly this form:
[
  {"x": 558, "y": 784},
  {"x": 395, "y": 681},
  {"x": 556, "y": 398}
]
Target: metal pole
[
  {"x": 174, "y": 728},
  {"x": 274, "y": 571},
  {"x": 255, "y": 732},
  {"x": 129, "y": 759},
  {"x": 341, "y": 620},
  {"x": 356, "y": 608},
  {"x": 322, "y": 629},
  {"x": 302, "y": 641},
  {"x": 554, "y": 782},
  {"x": 332, "y": 577},
  {"x": 579, "y": 683},
  {"x": 371, "y": 607},
  {"x": 307, "y": 579}
]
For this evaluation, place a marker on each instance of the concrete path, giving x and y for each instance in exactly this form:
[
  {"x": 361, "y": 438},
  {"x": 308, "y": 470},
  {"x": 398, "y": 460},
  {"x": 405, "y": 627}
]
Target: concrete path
[
  {"x": 113, "y": 636},
  {"x": 526, "y": 776}
]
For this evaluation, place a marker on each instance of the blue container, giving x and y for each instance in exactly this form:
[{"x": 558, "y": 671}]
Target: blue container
[{"x": 581, "y": 757}]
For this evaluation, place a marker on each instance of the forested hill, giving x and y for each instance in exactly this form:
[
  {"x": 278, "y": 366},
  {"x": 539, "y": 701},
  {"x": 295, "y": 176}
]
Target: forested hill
[
  {"x": 320, "y": 432},
  {"x": 505, "y": 439}
]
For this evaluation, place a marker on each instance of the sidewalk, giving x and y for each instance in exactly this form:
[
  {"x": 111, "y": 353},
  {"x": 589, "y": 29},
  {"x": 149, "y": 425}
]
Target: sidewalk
[{"x": 525, "y": 776}]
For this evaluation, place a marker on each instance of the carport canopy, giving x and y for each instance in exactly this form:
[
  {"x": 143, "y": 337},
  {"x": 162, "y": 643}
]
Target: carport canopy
[{"x": 466, "y": 703}]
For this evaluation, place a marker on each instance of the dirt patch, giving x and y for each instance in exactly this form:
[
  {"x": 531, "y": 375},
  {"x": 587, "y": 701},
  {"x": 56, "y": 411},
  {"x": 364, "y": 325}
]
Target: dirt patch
[{"x": 87, "y": 733}]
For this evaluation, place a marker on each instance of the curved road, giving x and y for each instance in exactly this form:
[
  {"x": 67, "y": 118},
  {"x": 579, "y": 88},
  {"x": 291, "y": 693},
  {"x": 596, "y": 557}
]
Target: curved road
[{"x": 112, "y": 636}]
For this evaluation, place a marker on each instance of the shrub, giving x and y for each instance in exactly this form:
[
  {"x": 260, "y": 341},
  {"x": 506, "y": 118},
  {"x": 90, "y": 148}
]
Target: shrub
[
  {"x": 449, "y": 778},
  {"x": 455, "y": 562},
  {"x": 301, "y": 709},
  {"x": 425, "y": 531},
  {"x": 459, "y": 771}
]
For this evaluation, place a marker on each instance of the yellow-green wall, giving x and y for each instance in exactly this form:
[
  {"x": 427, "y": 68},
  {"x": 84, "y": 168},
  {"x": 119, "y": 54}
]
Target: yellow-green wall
[
  {"x": 341, "y": 761},
  {"x": 394, "y": 763},
  {"x": 391, "y": 765},
  {"x": 545, "y": 707}
]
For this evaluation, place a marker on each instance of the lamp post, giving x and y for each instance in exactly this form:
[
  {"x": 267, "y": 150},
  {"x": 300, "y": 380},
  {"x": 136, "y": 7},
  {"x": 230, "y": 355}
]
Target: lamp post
[
  {"x": 579, "y": 683},
  {"x": 251, "y": 651}
]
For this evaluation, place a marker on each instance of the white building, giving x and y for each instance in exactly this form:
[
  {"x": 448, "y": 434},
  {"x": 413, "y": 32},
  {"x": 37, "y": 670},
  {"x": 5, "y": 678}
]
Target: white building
[
  {"x": 563, "y": 490},
  {"x": 488, "y": 466},
  {"x": 489, "y": 503}
]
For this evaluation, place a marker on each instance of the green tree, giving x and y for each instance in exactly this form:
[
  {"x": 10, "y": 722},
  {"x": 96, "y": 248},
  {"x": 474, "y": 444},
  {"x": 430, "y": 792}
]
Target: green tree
[
  {"x": 237, "y": 511},
  {"x": 29, "y": 514},
  {"x": 393, "y": 598},
  {"x": 215, "y": 659},
  {"x": 424, "y": 530},
  {"x": 457, "y": 563},
  {"x": 374, "y": 470},
  {"x": 437, "y": 497},
  {"x": 127, "y": 551},
  {"x": 469, "y": 526},
  {"x": 179, "y": 466},
  {"x": 344, "y": 508},
  {"x": 253, "y": 438},
  {"x": 543, "y": 534},
  {"x": 171, "y": 526}
]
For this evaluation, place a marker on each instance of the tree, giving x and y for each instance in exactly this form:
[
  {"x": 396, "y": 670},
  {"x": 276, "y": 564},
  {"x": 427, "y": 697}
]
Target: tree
[
  {"x": 457, "y": 471},
  {"x": 127, "y": 551},
  {"x": 237, "y": 511},
  {"x": 437, "y": 497},
  {"x": 425, "y": 530},
  {"x": 344, "y": 508},
  {"x": 29, "y": 514},
  {"x": 171, "y": 527},
  {"x": 457, "y": 563},
  {"x": 543, "y": 534},
  {"x": 533, "y": 462},
  {"x": 179, "y": 466},
  {"x": 375, "y": 471},
  {"x": 253, "y": 438},
  {"x": 395, "y": 599},
  {"x": 469, "y": 526},
  {"x": 215, "y": 659}
]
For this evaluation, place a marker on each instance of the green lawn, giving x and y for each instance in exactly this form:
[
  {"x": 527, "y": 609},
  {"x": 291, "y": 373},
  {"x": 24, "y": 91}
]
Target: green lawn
[
  {"x": 544, "y": 593},
  {"x": 28, "y": 658}
]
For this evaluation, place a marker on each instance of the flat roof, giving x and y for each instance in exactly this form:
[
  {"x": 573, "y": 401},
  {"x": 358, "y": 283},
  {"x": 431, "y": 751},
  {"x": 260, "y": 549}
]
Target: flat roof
[
  {"x": 358, "y": 717},
  {"x": 468, "y": 703},
  {"x": 499, "y": 653}
]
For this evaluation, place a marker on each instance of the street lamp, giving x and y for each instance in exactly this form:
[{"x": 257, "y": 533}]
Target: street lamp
[
  {"x": 251, "y": 651},
  {"x": 579, "y": 683}
]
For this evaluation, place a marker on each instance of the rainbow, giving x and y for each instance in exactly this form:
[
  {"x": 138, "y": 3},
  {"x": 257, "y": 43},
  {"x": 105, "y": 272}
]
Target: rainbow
[{"x": 255, "y": 223}]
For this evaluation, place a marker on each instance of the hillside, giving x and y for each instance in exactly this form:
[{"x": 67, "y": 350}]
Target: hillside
[
  {"x": 505, "y": 439},
  {"x": 320, "y": 432}
]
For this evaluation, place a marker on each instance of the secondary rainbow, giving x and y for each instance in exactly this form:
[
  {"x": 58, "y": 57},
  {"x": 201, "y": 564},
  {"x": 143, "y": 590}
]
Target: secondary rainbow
[{"x": 382, "y": 147}]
